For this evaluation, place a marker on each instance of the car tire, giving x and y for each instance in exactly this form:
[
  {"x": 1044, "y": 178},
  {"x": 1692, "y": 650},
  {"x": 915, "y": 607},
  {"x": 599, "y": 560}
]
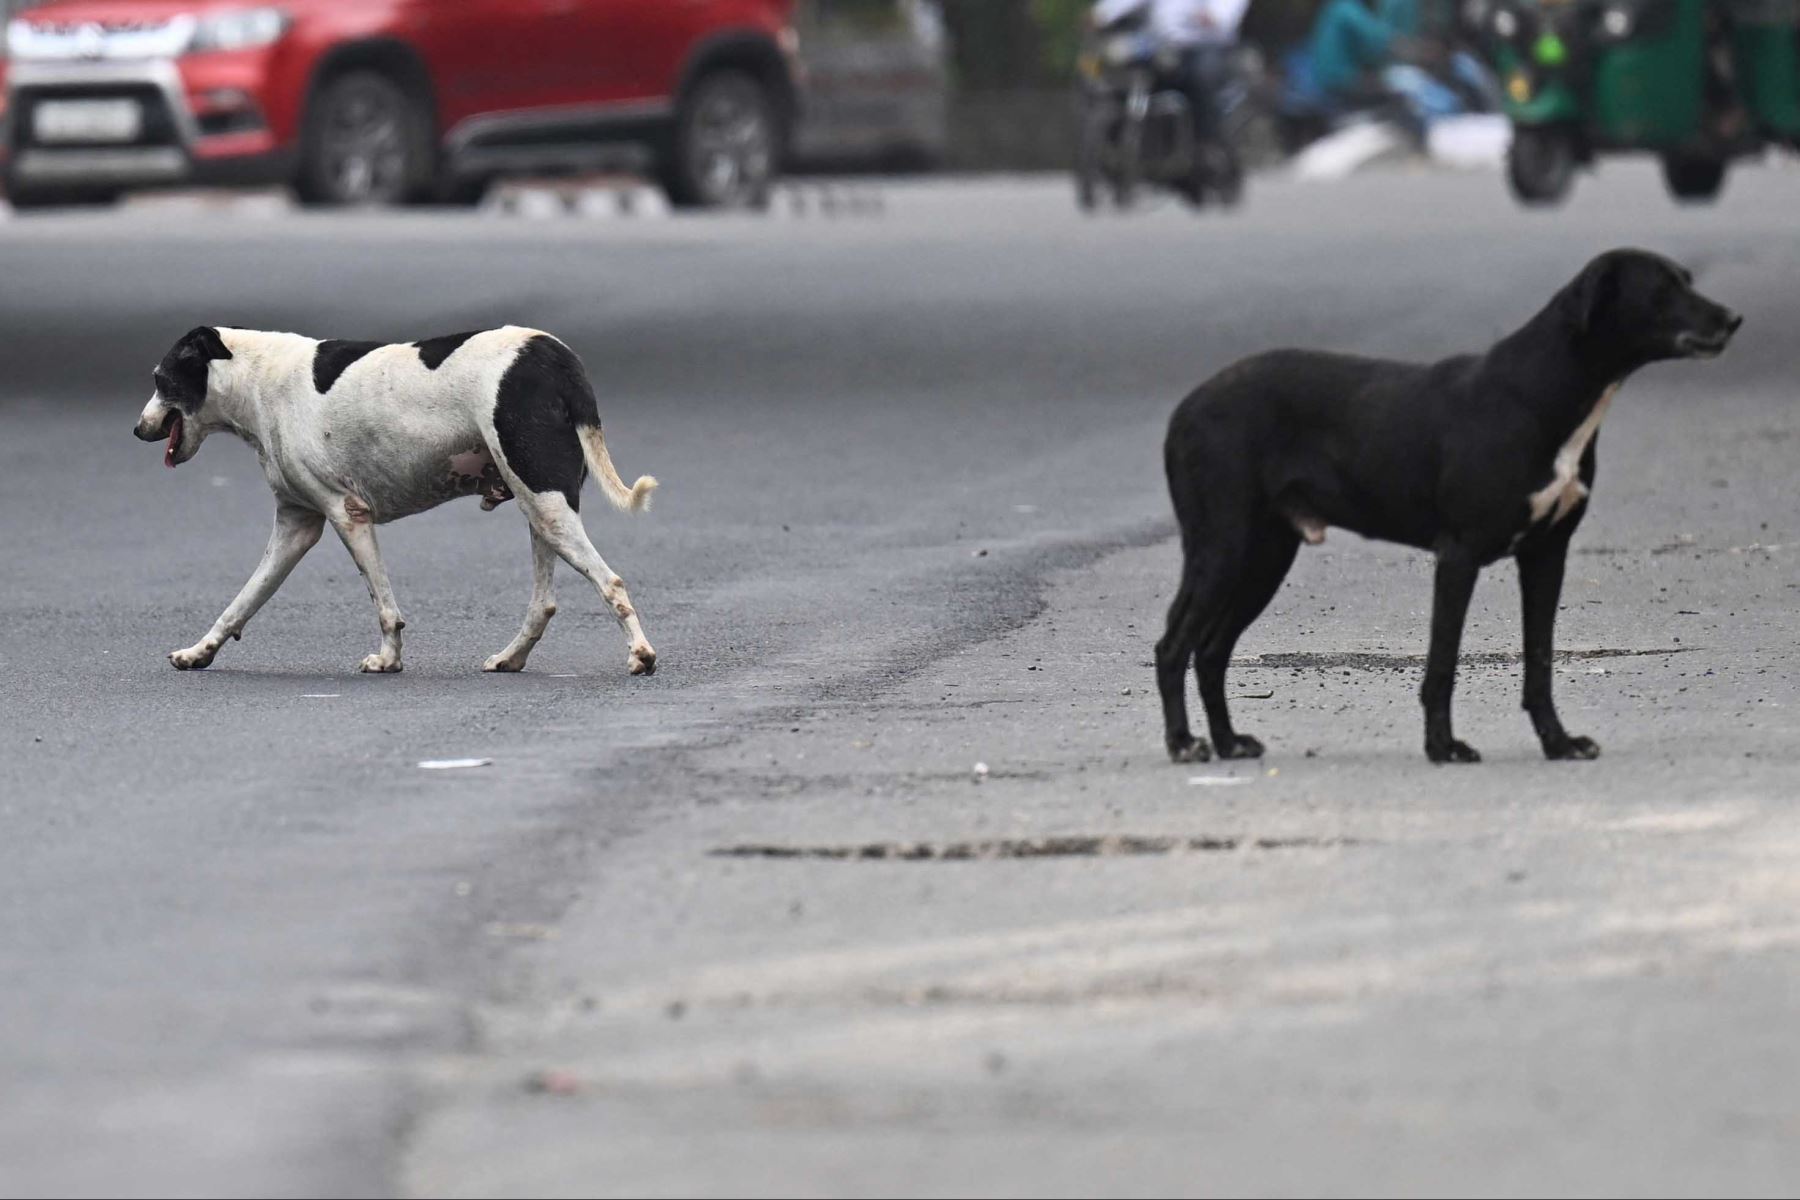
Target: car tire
[
  {"x": 725, "y": 148},
  {"x": 1693, "y": 180},
  {"x": 365, "y": 143}
]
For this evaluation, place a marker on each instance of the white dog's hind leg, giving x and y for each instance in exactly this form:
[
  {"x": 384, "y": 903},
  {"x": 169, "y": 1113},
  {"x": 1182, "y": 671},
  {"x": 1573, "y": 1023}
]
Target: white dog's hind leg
[
  {"x": 538, "y": 614},
  {"x": 559, "y": 525},
  {"x": 296, "y": 531},
  {"x": 358, "y": 533}
]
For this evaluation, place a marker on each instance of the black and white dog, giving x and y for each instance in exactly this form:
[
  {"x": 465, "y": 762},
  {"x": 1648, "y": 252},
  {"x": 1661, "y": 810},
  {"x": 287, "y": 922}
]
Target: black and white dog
[
  {"x": 1475, "y": 457},
  {"x": 359, "y": 433}
]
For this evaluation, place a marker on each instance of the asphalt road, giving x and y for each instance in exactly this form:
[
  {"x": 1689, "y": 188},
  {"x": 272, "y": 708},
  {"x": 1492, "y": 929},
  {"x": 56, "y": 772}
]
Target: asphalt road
[{"x": 911, "y": 520}]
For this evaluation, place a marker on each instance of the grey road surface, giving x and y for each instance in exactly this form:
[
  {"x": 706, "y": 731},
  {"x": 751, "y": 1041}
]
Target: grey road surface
[{"x": 759, "y": 924}]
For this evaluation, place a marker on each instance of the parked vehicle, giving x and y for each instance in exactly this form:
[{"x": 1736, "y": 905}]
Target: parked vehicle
[
  {"x": 1695, "y": 83},
  {"x": 1135, "y": 127},
  {"x": 877, "y": 83},
  {"x": 396, "y": 101}
]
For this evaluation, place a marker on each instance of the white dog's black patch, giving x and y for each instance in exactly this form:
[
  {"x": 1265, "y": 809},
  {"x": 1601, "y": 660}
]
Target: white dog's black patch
[
  {"x": 335, "y": 357},
  {"x": 544, "y": 398},
  {"x": 433, "y": 351}
]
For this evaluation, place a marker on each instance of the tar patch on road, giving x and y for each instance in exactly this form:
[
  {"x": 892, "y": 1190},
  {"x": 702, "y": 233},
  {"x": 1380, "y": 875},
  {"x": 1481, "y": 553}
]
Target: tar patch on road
[
  {"x": 1105, "y": 846},
  {"x": 1399, "y": 662}
]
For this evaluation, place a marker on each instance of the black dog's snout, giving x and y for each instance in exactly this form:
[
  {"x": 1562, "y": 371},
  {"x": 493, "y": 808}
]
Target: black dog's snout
[
  {"x": 145, "y": 435},
  {"x": 1733, "y": 320}
]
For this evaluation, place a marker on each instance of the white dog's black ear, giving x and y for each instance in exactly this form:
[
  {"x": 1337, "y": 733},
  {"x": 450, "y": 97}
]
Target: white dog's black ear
[{"x": 204, "y": 342}]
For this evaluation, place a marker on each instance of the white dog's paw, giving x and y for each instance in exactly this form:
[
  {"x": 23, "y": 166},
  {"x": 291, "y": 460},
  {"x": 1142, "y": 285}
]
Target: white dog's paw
[
  {"x": 194, "y": 658},
  {"x": 381, "y": 664},
  {"x": 642, "y": 660},
  {"x": 504, "y": 663}
]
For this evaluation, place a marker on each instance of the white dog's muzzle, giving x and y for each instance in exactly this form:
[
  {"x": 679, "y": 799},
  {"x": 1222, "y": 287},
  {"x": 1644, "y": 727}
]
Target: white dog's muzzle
[{"x": 160, "y": 421}]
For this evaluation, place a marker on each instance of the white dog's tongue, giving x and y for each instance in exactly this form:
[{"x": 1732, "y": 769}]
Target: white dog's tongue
[{"x": 174, "y": 442}]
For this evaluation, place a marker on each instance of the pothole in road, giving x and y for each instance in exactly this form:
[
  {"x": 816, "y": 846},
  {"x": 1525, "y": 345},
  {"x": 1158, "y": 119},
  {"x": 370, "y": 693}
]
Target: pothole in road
[
  {"x": 1401, "y": 662},
  {"x": 1073, "y": 846}
]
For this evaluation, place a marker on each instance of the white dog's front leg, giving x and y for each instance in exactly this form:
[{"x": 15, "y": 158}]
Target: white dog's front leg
[
  {"x": 296, "y": 531},
  {"x": 358, "y": 533}
]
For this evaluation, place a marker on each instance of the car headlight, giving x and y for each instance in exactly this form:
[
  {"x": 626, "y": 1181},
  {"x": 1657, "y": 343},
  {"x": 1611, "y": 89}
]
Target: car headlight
[
  {"x": 1506, "y": 24},
  {"x": 240, "y": 29},
  {"x": 1616, "y": 22}
]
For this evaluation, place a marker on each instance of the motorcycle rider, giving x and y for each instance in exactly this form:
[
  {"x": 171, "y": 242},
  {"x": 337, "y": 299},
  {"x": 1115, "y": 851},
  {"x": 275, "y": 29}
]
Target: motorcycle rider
[{"x": 1204, "y": 33}]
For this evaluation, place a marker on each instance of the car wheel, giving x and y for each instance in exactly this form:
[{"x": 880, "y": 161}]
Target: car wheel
[
  {"x": 1693, "y": 179},
  {"x": 366, "y": 143},
  {"x": 1540, "y": 165},
  {"x": 726, "y": 144}
]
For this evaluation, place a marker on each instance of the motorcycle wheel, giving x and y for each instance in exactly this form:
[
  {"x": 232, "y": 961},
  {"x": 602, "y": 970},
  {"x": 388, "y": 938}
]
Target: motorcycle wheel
[
  {"x": 1540, "y": 165},
  {"x": 1227, "y": 174},
  {"x": 1090, "y": 147},
  {"x": 1129, "y": 175}
]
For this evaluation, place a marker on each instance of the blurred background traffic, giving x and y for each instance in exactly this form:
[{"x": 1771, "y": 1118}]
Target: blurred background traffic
[{"x": 402, "y": 101}]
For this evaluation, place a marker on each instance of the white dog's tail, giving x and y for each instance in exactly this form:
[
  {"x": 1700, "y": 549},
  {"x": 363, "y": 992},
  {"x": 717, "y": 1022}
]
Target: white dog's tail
[{"x": 635, "y": 498}]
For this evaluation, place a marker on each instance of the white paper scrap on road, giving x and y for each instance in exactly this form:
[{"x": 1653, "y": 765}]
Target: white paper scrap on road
[
  {"x": 1216, "y": 780},
  {"x": 1347, "y": 151},
  {"x": 1473, "y": 142},
  {"x": 454, "y": 764}
]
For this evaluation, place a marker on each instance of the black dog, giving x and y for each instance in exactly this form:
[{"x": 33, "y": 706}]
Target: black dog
[{"x": 1474, "y": 458}]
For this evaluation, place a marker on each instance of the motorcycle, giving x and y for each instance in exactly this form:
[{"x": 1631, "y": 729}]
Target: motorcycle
[{"x": 1137, "y": 127}]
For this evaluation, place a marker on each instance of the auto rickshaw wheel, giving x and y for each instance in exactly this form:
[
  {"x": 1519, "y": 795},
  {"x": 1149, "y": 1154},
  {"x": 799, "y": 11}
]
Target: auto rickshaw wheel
[
  {"x": 1540, "y": 165},
  {"x": 1691, "y": 178}
]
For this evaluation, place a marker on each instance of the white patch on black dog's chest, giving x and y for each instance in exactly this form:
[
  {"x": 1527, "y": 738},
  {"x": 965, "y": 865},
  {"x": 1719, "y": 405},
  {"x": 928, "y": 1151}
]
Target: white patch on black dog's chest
[{"x": 1558, "y": 498}]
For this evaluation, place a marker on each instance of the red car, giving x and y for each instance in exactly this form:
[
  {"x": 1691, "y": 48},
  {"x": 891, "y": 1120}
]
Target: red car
[{"x": 394, "y": 101}]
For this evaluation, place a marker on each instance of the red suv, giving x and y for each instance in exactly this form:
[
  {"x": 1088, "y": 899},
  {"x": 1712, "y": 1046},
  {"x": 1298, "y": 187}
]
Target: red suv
[{"x": 391, "y": 101}]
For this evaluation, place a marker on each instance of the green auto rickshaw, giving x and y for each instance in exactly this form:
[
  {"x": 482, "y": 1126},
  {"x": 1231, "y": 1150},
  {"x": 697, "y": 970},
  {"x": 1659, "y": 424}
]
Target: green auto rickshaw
[{"x": 1696, "y": 82}]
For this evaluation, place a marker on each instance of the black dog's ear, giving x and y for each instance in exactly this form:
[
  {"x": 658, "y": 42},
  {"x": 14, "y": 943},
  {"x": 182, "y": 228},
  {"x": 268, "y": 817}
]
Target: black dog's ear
[
  {"x": 204, "y": 342},
  {"x": 1592, "y": 291}
]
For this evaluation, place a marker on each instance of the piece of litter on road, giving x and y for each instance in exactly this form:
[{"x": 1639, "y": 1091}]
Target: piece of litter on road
[
  {"x": 1216, "y": 780},
  {"x": 553, "y": 1083},
  {"x": 981, "y": 771},
  {"x": 1254, "y": 696},
  {"x": 454, "y": 764},
  {"x": 1596, "y": 670},
  {"x": 321, "y": 695}
]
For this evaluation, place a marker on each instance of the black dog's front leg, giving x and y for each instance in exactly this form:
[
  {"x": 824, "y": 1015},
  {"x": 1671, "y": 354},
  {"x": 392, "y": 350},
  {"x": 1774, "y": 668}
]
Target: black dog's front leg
[
  {"x": 1540, "y": 587},
  {"x": 1455, "y": 583}
]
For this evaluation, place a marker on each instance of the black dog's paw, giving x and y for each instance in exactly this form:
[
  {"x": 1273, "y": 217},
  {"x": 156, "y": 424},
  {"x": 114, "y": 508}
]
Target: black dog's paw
[
  {"x": 1242, "y": 746},
  {"x": 1578, "y": 749},
  {"x": 1451, "y": 751},
  {"x": 1189, "y": 749}
]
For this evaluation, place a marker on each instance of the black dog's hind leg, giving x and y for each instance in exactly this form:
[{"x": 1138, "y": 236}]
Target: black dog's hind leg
[
  {"x": 1245, "y": 588},
  {"x": 1454, "y": 584},
  {"x": 1174, "y": 652},
  {"x": 1540, "y": 587}
]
